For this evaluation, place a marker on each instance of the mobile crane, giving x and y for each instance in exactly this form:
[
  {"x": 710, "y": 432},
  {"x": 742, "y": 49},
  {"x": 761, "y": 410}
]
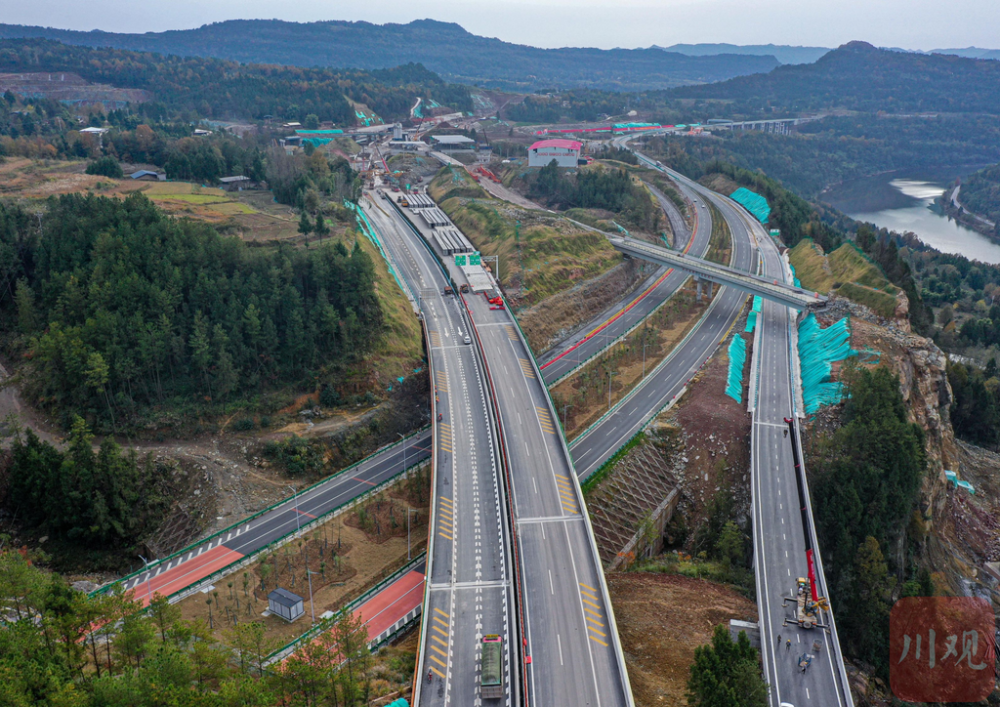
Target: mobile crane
[{"x": 808, "y": 603}]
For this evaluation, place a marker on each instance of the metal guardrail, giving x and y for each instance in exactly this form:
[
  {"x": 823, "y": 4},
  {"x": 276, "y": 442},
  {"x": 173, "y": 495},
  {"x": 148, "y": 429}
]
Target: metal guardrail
[
  {"x": 505, "y": 466},
  {"x": 288, "y": 537},
  {"x": 207, "y": 540},
  {"x": 785, "y": 294},
  {"x": 289, "y": 648},
  {"x": 605, "y": 594}
]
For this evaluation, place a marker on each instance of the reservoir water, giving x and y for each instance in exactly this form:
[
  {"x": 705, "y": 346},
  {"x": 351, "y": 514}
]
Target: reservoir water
[{"x": 904, "y": 201}]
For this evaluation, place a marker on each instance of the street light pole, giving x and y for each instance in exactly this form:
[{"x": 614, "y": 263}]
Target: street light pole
[
  {"x": 610, "y": 373},
  {"x": 404, "y": 450},
  {"x": 309, "y": 574},
  {"x": 149, "y": 589}
]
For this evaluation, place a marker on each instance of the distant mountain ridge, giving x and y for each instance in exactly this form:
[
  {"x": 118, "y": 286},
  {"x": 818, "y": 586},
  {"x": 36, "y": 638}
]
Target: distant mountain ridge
[
  {"x": 784, "y": 53},
  {"x": 445, "y": 48},
  {"x": 857, "y": 76},
  {"x": 970, "y": 53}
]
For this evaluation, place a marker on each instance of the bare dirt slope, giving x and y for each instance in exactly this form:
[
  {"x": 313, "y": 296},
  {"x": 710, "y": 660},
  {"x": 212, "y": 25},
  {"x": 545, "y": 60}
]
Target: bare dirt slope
[{"x": 661, "y": 620}]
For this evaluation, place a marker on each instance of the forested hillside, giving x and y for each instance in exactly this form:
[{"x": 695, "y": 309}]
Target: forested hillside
[
  {"x": 121, "y": 310},
  {"x": 227, "y": 89},
  {"x": 857, "y": 76},
  {"x": 980, "y": 193},
  {"x": 443, "y": 47},
  {"x": 838, "y": 149}
]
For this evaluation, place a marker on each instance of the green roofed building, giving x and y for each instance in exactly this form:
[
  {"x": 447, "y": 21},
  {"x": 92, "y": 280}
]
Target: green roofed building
[{"x": 752, "y": 202}]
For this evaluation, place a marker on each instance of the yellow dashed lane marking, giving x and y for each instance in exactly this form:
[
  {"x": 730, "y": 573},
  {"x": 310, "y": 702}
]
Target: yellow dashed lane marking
[
  {"x": 585, "y": 586},
  {"x": 595, "y": 640},
  {"x": 443, "y": 613},
  {"x": 443, "y": 633},
  {"x": 510, "y": 332},
  {"x": 443, "y": 643},
  {"x": 526, "y": 368},
  {"x": 437, "y": 672},
  {"x": 445, "y": 535},
  {"x": 596, "y": 606},
  {"x": 439, "y": 651},
  {"x": 445, "y": 666}
]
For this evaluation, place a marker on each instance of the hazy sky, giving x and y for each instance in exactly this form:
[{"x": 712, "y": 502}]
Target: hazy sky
[{"x": 910, "y": 24}]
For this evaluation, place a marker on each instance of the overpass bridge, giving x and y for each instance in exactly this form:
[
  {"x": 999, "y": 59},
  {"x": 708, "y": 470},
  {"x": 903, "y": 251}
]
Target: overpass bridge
[{"x": 770, "y": 289}]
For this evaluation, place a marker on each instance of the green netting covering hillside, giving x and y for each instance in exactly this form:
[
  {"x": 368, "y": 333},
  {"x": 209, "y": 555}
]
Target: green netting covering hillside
[
  {"x": 819, "y": 348},
  {"x": 752, "y": 317},
  {"x": 752, "y": 202},
  {"x": 737, "y": 357}
]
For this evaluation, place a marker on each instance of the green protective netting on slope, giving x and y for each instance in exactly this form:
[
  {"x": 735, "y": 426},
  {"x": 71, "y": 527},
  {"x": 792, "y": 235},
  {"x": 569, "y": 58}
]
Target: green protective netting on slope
[
  {"x": 752, "y": 202},
  {"x": 795, "y": 278},
  {"x": 758, "y": 303},
  {"x": 371, "y": 234},
  {"x": 737, "y": 357},
  {"x": 819, "y": 348}
]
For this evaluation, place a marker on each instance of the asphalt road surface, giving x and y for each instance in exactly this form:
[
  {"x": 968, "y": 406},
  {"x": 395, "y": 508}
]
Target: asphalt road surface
[
  {"x": 469, "y": 592},
  {"x": 570, "y": 628},
  {"x": 572, "y": 639},
  {"x": 779, "y": 540},
  {"x": 663, "y": 384},
  {"x": 176, "y": 574},
  {"x": 611, "y": 324}
]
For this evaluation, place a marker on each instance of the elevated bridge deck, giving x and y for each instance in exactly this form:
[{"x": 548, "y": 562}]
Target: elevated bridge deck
[{"x": 771, "y": 289}]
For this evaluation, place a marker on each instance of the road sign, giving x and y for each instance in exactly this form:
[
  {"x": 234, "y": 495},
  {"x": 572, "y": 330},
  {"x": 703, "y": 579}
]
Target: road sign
[
  {"x": 775, "y": 233},
  {"x": 474, "y": 258},
  {"x": 460, "y": 260}
]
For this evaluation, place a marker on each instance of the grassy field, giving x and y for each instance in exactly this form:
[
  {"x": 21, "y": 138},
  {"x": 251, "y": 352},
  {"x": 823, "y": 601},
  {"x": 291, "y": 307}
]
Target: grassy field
[
  {"x": 401, "y": 350},
  {"x": 720, "y": 244},
  {"x": 252, "y": 215},
  {"x": 846, "y": 272}
]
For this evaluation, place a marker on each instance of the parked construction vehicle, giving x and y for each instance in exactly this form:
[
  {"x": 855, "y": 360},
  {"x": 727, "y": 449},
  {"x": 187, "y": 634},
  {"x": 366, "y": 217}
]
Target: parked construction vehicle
[{"x": 808, "y": 603}]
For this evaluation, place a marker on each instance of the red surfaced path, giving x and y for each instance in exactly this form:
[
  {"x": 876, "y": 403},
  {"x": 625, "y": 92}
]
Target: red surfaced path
[
  {"x": 185, "y": 574},
  {"x": 392, "y": 603}
]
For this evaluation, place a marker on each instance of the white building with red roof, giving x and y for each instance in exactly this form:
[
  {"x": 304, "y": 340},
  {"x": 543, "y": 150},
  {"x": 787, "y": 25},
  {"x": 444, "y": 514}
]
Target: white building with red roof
[{"x": 564, "y": 152}]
